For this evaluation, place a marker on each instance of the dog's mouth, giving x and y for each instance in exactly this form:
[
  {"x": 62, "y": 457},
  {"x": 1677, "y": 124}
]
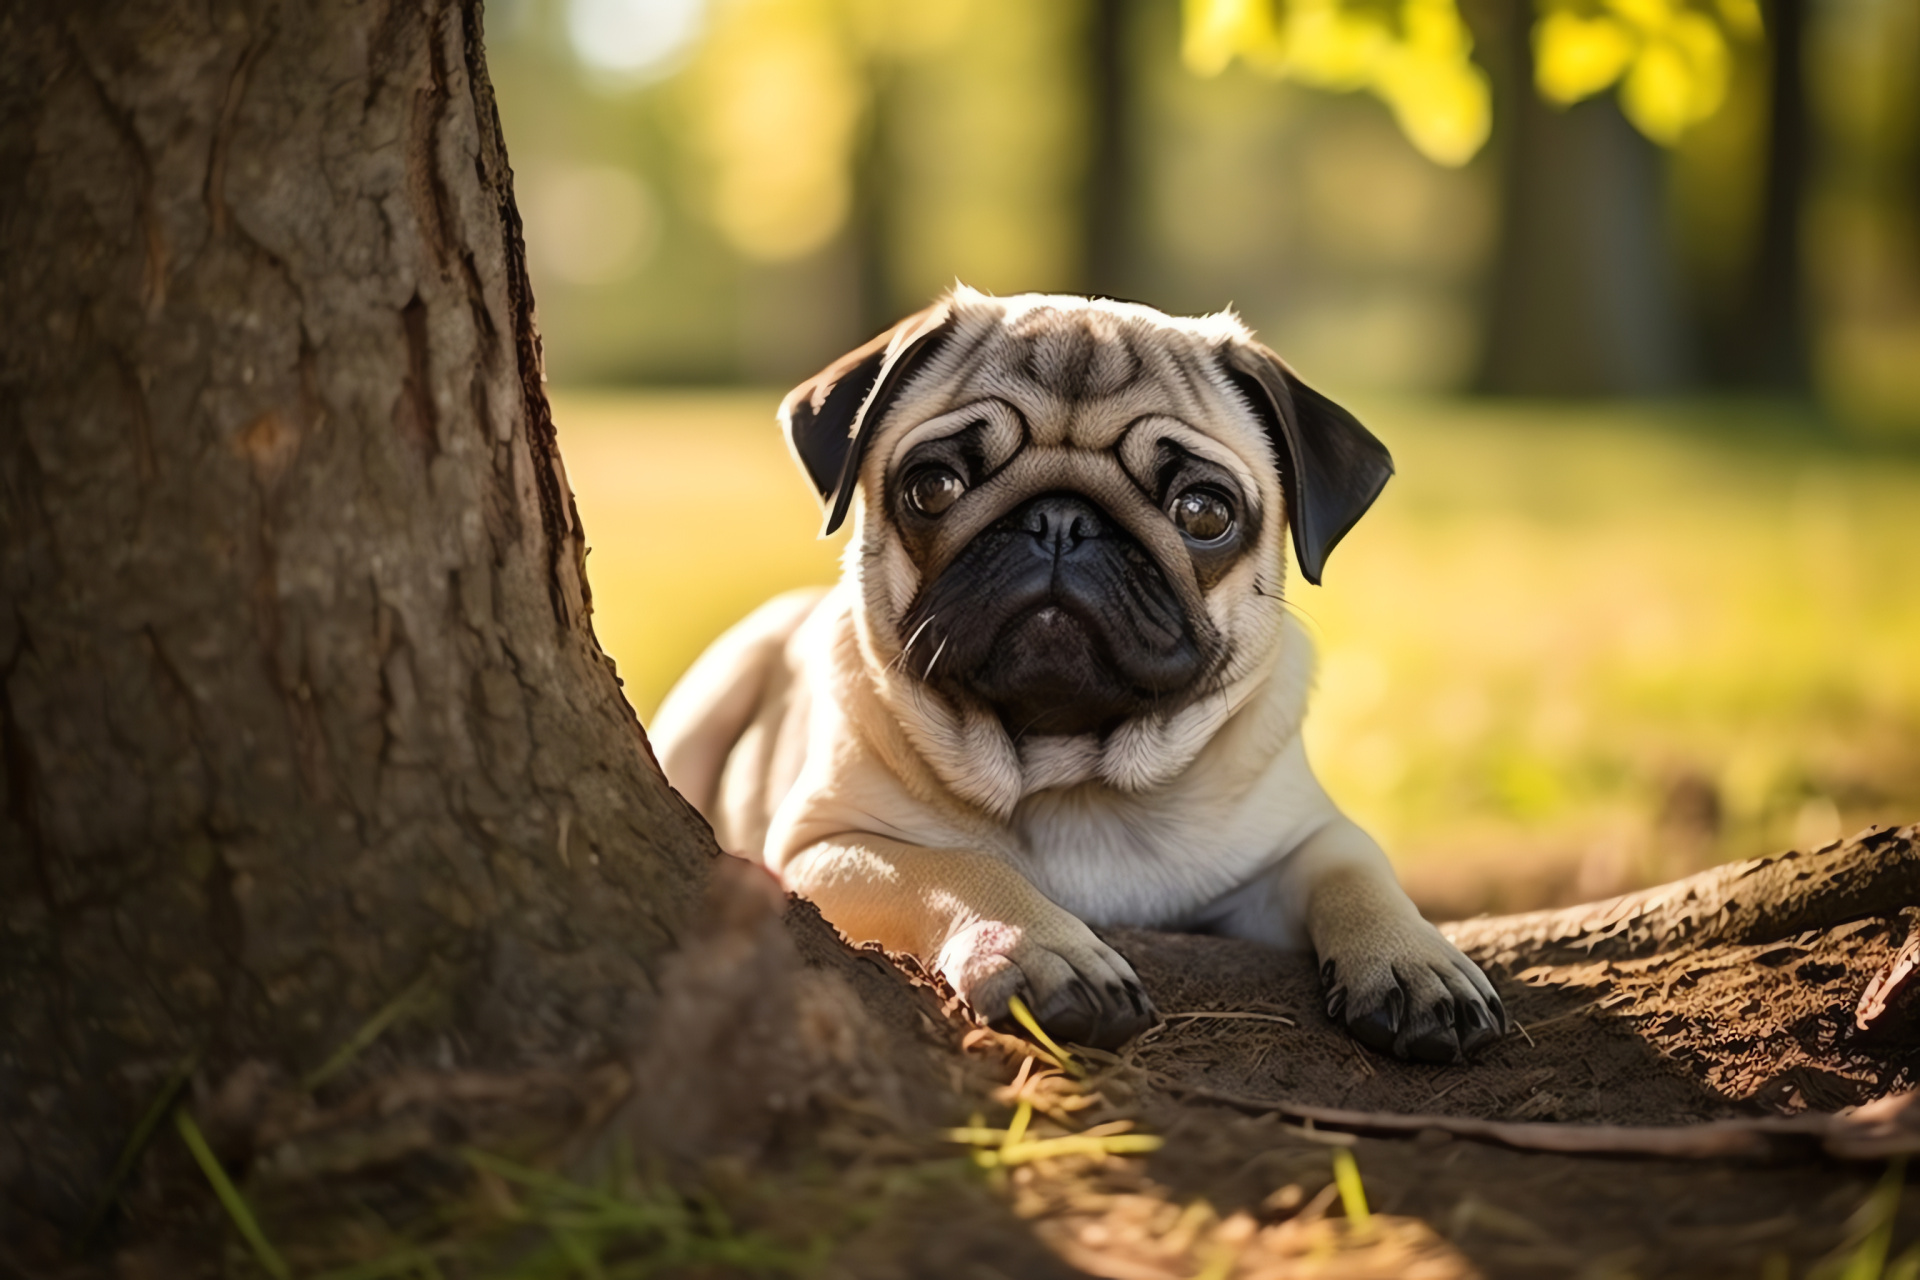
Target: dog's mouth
[
  {"x": 1058, "y": 620},
  {"x": 1049, "y": 672}
]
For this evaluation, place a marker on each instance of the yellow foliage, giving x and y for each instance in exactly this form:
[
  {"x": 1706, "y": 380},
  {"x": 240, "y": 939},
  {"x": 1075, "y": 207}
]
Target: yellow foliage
[
  {"x": 1670, "y": 58},
  {"x": 1576, "y": 57},
  {"x": 1439, "y": 97},
  {"x": 1416, "y": 60},
  {"x": 1215, "y": 32}
]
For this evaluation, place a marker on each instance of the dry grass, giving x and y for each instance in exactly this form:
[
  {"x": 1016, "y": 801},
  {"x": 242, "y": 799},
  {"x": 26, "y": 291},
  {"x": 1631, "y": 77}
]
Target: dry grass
[{"x": 1572, "y": 650}]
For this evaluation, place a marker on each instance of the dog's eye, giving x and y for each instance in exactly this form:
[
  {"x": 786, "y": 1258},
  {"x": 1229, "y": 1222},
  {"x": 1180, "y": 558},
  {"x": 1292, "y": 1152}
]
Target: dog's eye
[
  {"x": 931, "y": 490},
  {"x": 1203, "y": 514}
]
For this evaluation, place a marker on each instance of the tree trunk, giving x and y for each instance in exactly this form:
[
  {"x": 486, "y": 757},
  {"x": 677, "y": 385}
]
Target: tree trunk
[
  {"x": 1584, "y": 297},
  {"x": 1763, "y": 340},
  {"x": 299, "y": 695}
]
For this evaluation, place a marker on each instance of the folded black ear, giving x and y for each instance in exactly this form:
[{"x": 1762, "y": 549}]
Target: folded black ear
[
  {"x": 830, "y": 418},
  {"x": 1331, "y": 469}
]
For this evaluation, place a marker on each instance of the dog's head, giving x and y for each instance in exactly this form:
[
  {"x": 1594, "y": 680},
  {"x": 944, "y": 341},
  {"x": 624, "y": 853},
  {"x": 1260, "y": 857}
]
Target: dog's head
[{"x": 1068, "y": 516}]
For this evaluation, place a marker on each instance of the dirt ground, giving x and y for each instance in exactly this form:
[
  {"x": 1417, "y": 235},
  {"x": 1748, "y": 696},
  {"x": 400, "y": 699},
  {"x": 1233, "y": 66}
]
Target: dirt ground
[
  {"x": 799, "y": 1110},
  {"x": 1693, "y": 1031}
]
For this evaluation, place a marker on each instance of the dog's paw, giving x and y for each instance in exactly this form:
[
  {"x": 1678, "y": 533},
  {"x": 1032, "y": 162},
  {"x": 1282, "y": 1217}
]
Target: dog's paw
[
  {"x": 1412, "y": 994},
  {"x": 1079, "y": 988}
]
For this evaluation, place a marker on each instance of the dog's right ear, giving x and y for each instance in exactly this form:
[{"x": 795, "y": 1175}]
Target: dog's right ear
[
  {"x": 830, "y": 418},
  {"x": 1331, "y": 467}
]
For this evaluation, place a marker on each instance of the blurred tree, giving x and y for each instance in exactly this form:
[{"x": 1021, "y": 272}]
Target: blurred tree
[
  {"x": 1584, "y": 296},
  {"x": 1862, "y": 75},
  {"x": 806, "y": 169},
  {"x": 779, "y": 93},
  {"x": 1763, "y": 338},
  {"x": 988, "y": 126},
  {"x": 948, "y": 135}
]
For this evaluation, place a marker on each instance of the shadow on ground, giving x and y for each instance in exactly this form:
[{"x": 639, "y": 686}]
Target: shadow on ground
[{"x": 1697, "y": 1033}]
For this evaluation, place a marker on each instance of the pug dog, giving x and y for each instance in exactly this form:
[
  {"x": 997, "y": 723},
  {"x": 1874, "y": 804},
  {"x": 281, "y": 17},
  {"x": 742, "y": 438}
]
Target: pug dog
[{"x": 1056, "y": 687}]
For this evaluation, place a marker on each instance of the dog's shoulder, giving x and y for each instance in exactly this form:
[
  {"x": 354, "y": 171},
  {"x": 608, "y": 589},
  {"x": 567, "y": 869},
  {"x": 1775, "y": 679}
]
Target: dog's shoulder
[
  {"x": 856, "y": 766},
  {"x": 725, "y": 692}
]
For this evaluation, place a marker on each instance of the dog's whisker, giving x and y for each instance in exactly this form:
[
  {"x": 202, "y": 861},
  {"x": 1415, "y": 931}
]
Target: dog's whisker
[
  {"x": 928, "y": 673},
  {"x": 900, "y": 659},
  {"x": 920, "y": 630}
]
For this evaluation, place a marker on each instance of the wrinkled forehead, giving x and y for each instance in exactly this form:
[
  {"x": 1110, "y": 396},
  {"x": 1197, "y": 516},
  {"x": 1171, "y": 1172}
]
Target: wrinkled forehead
[{"x": 1080, "y": 373}]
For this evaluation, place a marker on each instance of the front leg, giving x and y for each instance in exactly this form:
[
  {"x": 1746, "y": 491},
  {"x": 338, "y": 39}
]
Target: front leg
[
  {"x": 1390, "y": 977},
  {"x": 983, "y": 926}
]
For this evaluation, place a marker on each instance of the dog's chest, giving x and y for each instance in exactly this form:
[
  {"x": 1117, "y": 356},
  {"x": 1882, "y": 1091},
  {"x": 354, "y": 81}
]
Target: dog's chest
[{"x": 1115, "y": 859}]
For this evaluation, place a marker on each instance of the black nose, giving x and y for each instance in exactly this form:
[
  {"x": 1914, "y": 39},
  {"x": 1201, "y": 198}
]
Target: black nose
[{"x": 1060, "y": 522}]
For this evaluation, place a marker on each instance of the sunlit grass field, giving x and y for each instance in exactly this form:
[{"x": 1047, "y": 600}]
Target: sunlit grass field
[{"x": 1571, "y": 650}]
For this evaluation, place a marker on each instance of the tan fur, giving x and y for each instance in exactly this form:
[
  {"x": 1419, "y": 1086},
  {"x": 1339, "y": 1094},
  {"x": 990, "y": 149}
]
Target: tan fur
[{"x": 810, "y": 742}]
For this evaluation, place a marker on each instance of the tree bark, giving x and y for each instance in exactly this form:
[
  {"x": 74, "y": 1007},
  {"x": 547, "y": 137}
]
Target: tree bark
[{"x": 300, "y": 702}]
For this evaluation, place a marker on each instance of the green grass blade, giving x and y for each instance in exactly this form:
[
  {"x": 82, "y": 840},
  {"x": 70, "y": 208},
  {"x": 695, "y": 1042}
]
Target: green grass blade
[
  {"x": 370, "y": 1030},
  {"x": 584, "y": 1260},
  {"x": 1024, "y": 1016},
  {"x": 1869, "y": 1258},
  {"x": 576, "y": 1194},
  {"x": 140, "y": 1139},
  {"x": 534, "y": 1179},
  {"x": 1017, "y": 1127},
  {"x": 230, "y": 1197},
  {"x": 1353, "y": 1193}
]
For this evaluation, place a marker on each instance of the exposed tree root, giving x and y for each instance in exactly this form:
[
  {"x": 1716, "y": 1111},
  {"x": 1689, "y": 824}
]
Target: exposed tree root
[{"x": 1875, "y": 873}]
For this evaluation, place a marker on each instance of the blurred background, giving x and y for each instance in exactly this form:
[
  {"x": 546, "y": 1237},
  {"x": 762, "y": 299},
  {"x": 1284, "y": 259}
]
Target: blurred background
[{"x": 1630, "y": 287}]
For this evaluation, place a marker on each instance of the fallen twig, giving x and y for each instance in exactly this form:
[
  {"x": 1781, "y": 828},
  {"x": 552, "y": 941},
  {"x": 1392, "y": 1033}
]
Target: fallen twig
[
  {"x": 1901, "y": 971},
  {"x": 1280, "y": 1018},
  {"x": 1880, "y": 1129}
]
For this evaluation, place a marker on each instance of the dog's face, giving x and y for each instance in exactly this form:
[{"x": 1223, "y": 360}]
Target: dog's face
[{"x": 1068, "y": 517}]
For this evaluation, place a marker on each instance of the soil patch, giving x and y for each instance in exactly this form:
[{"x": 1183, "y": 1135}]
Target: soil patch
[
  {"x": 793, "y": 1107},
  {"x": 1699, "y": 1017}
]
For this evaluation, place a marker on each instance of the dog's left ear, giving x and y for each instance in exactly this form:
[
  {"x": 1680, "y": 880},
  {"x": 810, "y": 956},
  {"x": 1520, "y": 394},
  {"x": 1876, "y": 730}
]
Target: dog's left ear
[
  {"x": 1332, "y": 468},
  {"x": 830, "y": 418}
]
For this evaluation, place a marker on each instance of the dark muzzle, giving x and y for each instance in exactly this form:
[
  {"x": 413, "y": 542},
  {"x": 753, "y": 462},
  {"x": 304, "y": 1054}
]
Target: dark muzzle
[{"x": 1058, "y": 619}]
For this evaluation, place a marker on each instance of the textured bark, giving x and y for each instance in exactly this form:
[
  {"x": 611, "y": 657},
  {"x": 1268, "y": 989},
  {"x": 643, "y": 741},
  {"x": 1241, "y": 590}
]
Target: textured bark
[{"x": 299, "y": 696}]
